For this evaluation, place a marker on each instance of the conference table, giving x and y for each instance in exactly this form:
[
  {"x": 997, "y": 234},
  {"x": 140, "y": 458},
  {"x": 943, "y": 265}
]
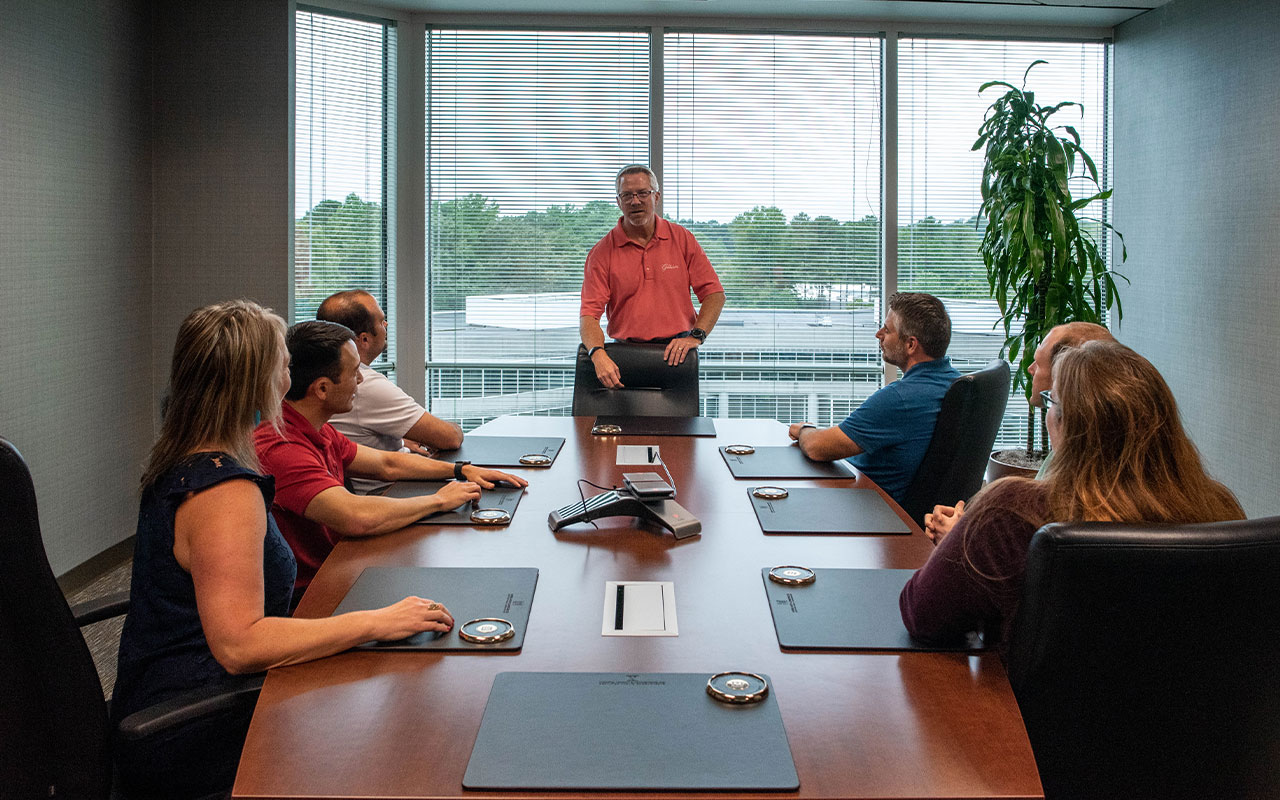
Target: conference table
[{"x": 866, "y": 724}]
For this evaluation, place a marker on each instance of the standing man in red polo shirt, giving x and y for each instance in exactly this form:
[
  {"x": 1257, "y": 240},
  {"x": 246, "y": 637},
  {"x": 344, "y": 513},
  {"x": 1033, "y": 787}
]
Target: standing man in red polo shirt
[{"x": 641, "y": 273}]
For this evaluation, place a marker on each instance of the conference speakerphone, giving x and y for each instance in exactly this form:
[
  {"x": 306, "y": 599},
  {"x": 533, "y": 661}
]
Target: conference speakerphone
[{"x": 644, "y": 494}]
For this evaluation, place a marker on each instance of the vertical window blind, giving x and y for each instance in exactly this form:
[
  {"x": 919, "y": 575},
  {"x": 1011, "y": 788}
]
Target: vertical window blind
[
  {"x": 771, "y": 149},
  {"x": 344, "y": 79},
  {"x": 940, "y": 177},
  {"x": 526, "y": 130}
]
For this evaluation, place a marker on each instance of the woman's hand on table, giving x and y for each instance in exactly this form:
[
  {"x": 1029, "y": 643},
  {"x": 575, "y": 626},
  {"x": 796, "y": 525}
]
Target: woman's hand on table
[{"x": 409, "y": 616}]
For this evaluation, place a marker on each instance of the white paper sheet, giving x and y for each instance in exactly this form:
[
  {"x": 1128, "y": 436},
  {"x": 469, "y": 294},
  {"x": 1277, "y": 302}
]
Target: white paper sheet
[
  {"x": 638, "y": 454},
  {"x": 648, "y": 609}
]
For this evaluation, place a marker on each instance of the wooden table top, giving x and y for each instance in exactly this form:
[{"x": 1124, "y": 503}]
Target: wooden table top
[{"x": 860, "y": 725}]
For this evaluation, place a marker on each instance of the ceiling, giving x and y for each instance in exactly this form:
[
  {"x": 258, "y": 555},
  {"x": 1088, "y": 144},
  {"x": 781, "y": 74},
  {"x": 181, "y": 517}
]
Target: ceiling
[{"x": 1079, "y": 13}]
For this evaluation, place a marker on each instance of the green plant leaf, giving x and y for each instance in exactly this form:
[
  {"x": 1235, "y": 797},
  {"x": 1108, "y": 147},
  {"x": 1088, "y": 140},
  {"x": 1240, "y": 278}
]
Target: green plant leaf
[
  {"x": 1030, "y": 67},
  {"x": 989, "y": 84}
]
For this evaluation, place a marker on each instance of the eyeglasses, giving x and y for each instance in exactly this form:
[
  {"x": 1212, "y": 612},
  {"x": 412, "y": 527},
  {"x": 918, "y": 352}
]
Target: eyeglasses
[
  {"x": 643, "y": 194},
  {"x": 1048, "y": 400}
]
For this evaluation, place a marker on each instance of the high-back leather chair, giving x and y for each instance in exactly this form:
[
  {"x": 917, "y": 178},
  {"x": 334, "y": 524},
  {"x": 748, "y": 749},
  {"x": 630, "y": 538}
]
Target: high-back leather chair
[
  {"x": 963, "y": 436},
  {"x": 53, "y": 719},
  {"x": 55, "y": 732},
  {"x": 651, "y": 386},
  {"x": 1146, "y": 660}
]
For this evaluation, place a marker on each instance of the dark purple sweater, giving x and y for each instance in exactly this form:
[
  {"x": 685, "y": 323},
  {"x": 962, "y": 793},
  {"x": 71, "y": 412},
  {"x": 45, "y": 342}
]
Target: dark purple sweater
[{"x": 973, "y": 580}]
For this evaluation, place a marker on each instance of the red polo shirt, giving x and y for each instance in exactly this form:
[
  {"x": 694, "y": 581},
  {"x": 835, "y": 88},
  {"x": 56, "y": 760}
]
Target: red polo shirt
[
  {"x": 646, "y": 289},
  {"x": 304, "y": 462}
]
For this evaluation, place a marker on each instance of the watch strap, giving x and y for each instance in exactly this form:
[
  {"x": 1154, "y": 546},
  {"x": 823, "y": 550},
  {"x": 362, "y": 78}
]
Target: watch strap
[
  {"x": 457, "y": 469},
  {"x": 592, "y": 351}
]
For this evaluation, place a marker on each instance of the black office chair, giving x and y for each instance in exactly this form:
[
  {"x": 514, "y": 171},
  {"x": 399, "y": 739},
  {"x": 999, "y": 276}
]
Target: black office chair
[
  {"x": 651, "y": 387},
  {"x": 55, "y": 736},
  {"x": 1146, "y": 660},
  {"x": 963, "y": 436}
]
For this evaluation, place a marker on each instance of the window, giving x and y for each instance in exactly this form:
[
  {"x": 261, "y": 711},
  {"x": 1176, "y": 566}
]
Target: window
[
  {"x": 772, "y": 158},
  {"x": 525, "y": 132},
  {"x": 940, "y": 177},
  {"x": 770, "y": 149},
  {"x": 343, "y": 128}
]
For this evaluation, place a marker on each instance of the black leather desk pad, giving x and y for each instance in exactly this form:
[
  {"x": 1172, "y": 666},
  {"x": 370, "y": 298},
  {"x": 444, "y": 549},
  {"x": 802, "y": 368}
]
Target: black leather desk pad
[
  {"x": 500, "y": 496},
  {"x": 593, "y": 731},
  {"x": 660, "y": 426},
  {"x": 846, "y": 609},
  {"x": 832, "y": 510},
  {"x": 502, "y": 451},
  {"x": 468, "y": 592},
  {"x": 783, "y": 462}
]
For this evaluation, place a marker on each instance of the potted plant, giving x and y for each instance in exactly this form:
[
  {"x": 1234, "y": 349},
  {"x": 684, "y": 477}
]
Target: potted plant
[{"x": 1043, "y": 265}]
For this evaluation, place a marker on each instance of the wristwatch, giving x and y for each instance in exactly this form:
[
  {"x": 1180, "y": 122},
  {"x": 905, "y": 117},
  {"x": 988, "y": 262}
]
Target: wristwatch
[
  {"x": 591, "y": 352},
  {"x": 699, "y": 334},
  {"x": 457, "y": 469}
]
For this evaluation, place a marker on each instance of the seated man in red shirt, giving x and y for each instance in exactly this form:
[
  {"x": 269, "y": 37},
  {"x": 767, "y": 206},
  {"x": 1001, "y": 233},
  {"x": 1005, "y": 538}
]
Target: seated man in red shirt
[
  {"x": 310, "y": 460},
  {"x": 640, "y": 273}
]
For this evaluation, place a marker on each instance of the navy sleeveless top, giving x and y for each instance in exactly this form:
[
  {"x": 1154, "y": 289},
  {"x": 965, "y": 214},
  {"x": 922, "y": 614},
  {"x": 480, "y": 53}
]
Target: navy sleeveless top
[{"x": 163, "y": 650}]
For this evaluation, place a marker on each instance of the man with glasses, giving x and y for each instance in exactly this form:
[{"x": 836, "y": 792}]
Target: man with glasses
[
  {"x": 1072, "y": 334},
  {"x": 640, "y": 274}
]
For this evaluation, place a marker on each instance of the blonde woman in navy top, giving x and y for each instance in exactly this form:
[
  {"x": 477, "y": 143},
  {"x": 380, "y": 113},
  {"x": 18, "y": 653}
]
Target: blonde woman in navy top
[{"x": 212, "y": 575}]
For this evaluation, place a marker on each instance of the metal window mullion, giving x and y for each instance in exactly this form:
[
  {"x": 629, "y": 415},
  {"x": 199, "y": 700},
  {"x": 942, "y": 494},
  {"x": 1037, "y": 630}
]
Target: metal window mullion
[
  {"x": 889, "y": 176},
  {"x": 656, "y": 94}
]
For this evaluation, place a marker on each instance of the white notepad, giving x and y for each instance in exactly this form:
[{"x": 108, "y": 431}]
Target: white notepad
[{"x": 639, "y": 608}]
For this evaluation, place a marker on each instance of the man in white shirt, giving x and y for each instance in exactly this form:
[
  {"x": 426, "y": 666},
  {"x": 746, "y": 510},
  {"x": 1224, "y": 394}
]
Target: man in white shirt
[{"x": 384, "y": 416}]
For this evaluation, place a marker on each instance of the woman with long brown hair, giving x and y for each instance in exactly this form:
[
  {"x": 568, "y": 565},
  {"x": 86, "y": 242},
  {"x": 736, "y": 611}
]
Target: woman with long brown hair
[
  {"x": 1120, "y": 455},
  {"x": 212, "y": 576}
]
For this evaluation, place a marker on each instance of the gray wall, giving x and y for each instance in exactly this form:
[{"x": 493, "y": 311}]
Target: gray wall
[
  {"x": 144, "y": 159},
  {"x": 1197, "y": 155},
  {"x": 223, "y": 116},
  {"x": 75, "y": 263}
]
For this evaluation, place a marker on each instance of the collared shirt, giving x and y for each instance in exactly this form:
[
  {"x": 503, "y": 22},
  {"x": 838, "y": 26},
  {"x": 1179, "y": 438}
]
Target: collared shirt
[
  {"x": 645, "y": 290},
  {"x": 304, "y": 462},
  {"x": 894, "y": 426},
  {"x": 380, "y": 416}
]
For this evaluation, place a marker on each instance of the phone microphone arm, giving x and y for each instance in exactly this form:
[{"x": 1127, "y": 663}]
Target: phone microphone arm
[{"x": 645, "y": 496}]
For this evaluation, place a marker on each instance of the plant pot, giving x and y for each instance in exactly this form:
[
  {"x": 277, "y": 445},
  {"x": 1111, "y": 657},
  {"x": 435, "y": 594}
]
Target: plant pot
[{"x": 998, "y": 466}]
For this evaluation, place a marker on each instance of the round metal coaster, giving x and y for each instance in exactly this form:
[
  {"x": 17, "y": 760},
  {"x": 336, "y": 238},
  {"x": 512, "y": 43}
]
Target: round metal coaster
[
  {"x": 739, "y": 449},
  {"x": 605, "y": 429},
  {"x": 770, "y": 492},
  {"x": 490, "y": 516},
  {"x": 737, "y": 687},
  {"x": 535, "y": 460},
  {"x": 791, "y": 575},
  {"x": 486, "y": 630}
]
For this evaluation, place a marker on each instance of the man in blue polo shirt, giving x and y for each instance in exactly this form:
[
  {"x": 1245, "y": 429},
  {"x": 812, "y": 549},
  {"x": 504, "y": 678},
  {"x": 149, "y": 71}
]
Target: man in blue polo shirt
[{"x": 886, "y": 437}]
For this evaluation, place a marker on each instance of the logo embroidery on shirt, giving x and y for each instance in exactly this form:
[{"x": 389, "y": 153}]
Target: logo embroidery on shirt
[{"x": 666, "y": 267}]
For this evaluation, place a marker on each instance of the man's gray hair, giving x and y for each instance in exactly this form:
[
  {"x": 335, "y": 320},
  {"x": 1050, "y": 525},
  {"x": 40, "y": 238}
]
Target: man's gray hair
[{"x": 631, "y": 169}]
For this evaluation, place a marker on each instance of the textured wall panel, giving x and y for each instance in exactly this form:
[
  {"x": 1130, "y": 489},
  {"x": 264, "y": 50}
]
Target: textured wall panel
[
  {"x": 75, "y": 261},
  {"x": 1197, "y": 155},
  {"x": 222, "y": 160}
]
